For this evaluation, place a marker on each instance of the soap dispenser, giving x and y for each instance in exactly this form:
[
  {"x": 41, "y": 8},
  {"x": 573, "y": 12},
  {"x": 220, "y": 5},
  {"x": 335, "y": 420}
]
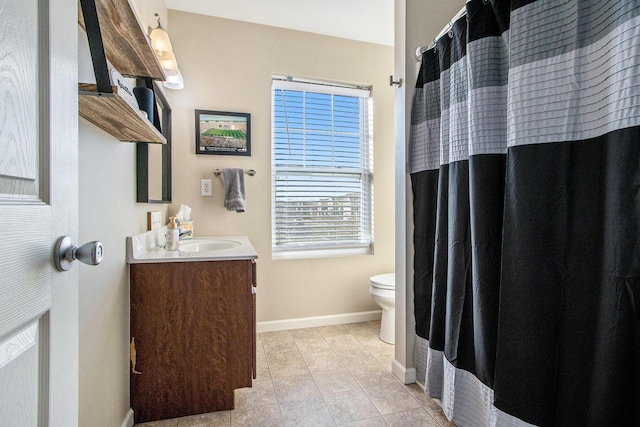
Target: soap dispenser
[{"x": 172, "y": 235}]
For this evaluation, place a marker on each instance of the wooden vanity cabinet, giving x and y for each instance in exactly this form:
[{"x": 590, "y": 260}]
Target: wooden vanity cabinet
[{"x": 192, "y": 336}]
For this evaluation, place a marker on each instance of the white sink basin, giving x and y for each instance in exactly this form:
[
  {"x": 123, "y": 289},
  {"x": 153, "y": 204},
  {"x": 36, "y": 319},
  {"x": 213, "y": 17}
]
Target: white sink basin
[
  {"x": 148, "y": 247},
  {"x": 212, "y": 245}
]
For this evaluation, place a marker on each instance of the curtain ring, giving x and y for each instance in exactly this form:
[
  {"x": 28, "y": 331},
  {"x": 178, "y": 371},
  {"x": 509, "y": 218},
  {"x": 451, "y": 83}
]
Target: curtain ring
[{"x": 450, "y": 32}]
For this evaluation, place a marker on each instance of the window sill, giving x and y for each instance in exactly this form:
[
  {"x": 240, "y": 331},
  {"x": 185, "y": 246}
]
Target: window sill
[{"x": 320, "y": 253}]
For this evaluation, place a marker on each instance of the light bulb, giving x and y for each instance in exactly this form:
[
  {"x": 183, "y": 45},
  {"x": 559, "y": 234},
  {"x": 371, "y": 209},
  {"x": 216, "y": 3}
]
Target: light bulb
[{"x": 160, "y": 42}]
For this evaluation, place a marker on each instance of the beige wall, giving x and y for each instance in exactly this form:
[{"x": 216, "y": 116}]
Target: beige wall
[
  {"x": 416, "y": 23},
  {"x": 108, "y": 212},
  {"x": 227, "y": 65}
]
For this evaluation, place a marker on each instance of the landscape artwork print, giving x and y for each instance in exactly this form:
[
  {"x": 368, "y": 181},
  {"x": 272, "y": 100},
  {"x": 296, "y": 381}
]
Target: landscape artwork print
[{"x": 221, "y": 132}]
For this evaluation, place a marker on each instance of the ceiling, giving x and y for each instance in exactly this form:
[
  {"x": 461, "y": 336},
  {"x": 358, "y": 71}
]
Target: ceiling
[{"x": 364, "y": 20}]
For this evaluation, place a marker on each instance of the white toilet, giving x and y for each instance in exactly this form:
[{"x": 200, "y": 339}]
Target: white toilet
[{"x": 383, "y": 289}]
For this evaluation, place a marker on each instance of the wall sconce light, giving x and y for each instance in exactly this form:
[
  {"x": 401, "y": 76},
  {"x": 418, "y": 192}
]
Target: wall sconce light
[
  {"x": 169, "y": 64},
  {"x": 174, "y": 82},
  {"x": 161, "y": 45}
]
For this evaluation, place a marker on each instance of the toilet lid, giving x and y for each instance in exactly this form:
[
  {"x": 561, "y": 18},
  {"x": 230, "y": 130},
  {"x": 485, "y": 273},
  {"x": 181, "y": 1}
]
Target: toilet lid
[{"x": 384, "y": 281}]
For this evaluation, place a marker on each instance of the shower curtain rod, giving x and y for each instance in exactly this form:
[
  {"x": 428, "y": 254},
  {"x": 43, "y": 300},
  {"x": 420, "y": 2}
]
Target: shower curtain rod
[{"x": 422, "y": 49}]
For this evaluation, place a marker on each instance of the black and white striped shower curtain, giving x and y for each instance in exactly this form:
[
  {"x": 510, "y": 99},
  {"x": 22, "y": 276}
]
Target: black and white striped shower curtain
[{"x": 525, "y": 170}]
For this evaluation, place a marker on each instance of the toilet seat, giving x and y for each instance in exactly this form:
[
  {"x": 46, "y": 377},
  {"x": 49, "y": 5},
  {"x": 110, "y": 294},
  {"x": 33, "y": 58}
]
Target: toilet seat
[{"x": 383, "y": 281}]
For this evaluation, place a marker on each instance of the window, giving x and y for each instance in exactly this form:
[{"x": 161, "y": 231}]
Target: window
[{"x": 322, "y": 169}]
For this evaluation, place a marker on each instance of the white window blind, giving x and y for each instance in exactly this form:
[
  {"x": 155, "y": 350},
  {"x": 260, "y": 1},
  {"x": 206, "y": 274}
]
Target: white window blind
[{"x": 322, "y": 168}]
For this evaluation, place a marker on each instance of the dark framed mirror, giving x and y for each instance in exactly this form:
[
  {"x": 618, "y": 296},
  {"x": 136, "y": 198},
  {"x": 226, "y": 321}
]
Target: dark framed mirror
[{"x": 153, "y": 161}]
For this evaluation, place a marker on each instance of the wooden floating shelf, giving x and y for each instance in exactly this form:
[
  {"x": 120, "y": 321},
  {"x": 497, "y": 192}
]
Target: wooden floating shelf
[
  {"x": 127, "y": 47},
  {"x": 115, "y": 116},
  {"x": 126, "y": 43}
]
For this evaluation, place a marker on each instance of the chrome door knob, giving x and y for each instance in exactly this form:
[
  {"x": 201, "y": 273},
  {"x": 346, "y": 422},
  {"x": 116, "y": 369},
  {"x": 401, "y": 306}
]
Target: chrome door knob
[{"x": 66, "y": 252}]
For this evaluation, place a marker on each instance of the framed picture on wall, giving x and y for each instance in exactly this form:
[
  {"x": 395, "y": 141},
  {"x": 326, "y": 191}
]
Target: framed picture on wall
[{"x": 223, "y": 132}]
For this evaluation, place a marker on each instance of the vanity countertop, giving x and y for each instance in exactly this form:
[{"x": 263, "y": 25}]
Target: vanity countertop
[{"x": 148, "y": 247}]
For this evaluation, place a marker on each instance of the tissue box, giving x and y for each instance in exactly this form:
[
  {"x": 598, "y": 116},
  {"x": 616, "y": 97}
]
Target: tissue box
[{"x": 185, "y": 230}]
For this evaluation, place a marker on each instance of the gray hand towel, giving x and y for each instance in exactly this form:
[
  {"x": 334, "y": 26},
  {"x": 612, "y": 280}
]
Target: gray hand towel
[{"x": 234, "y": 198}]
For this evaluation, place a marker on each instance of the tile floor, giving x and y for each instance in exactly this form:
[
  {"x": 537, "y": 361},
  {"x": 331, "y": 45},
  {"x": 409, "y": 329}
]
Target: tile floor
[{"x": 326, "y": 376}]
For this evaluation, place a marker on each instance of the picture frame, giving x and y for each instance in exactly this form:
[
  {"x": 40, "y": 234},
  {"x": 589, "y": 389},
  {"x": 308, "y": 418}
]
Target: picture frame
[{"x": 223, "y": 133}]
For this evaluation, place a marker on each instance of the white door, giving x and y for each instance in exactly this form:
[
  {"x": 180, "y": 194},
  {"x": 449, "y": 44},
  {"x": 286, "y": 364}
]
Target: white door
[{"x": 38, "y": 203}]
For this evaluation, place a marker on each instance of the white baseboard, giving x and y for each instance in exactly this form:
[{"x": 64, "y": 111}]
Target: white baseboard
[
  {"x": 406, "y": 375},
  {"x": 311, "y": 322},
  {"x": 128, "y": 419}
]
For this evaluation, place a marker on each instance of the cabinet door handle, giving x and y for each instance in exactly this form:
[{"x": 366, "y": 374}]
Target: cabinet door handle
[
  {"x": 254, "y": 276},
  {"x": 132, "y": 354}
]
